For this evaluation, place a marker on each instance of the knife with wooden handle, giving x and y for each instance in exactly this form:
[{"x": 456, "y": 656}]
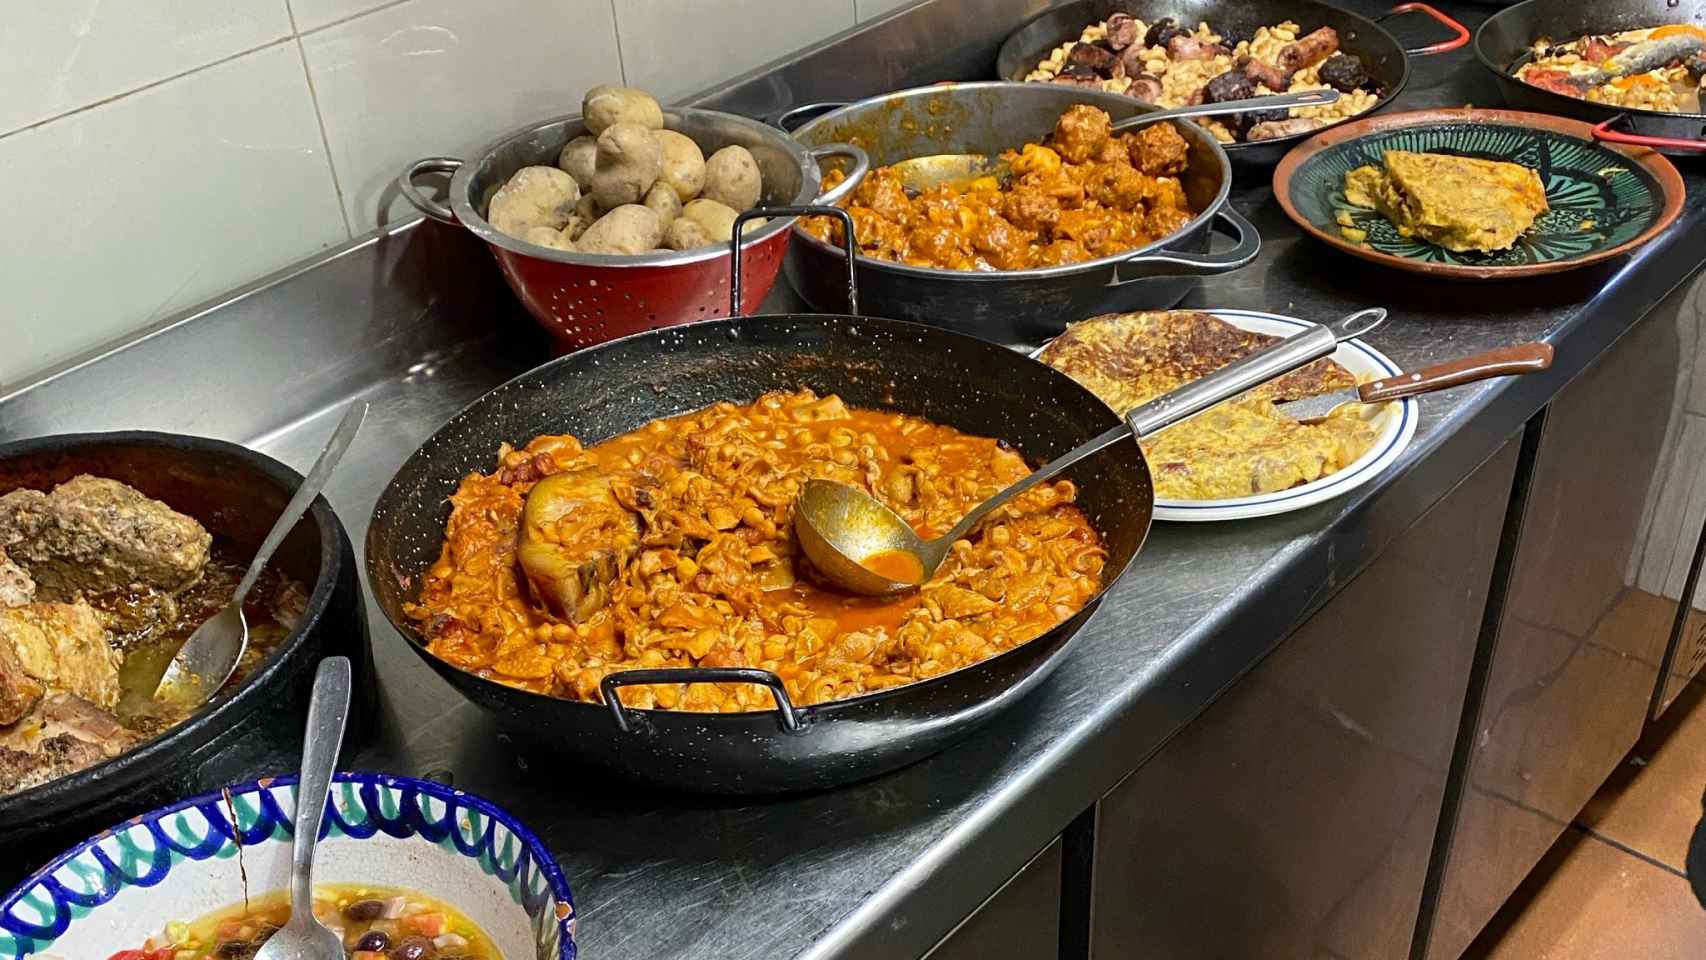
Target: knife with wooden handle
[{"x": 1501, "y": 362}]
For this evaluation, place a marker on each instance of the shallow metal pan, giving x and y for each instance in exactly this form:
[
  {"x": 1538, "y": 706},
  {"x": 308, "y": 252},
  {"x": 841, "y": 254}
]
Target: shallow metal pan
[
  {"x": 1503, "y": 44},
  {"x": 1013, "y": 306},
  {"x": 1387, "y": 61}
]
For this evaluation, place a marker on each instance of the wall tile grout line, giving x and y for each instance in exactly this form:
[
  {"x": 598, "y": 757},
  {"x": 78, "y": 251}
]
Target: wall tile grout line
[
  {"x": 320, "y": 120},
  {"x": 132, "y": 91},
  {"x": 343, "y": 20},
  {"x": 616, "y": 28}
]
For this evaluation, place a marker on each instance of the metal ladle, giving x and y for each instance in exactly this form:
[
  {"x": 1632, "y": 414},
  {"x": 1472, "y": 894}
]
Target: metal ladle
[
  {"x": 922, "y": 173},
  {"x": 861, "y": 545},
  {"x": 211, "y": 654}
]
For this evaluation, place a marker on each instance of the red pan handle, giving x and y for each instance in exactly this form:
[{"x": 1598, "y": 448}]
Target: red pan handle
[
  {"x": 1604, "y": 132},
  {"x": 1444, "y": 46}
]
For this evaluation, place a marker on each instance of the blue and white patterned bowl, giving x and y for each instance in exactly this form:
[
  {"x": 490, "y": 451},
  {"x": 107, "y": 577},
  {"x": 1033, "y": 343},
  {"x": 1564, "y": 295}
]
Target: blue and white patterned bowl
[
  {"x": 113, "y": 891},
  {"x": 1605, "y": 200}
]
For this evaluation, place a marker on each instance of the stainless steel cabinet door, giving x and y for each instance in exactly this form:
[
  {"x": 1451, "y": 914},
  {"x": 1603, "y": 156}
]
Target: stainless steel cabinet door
[
  {"x": 1295, "y": 818},
  {"x": 1574, "y": 661},
  {"x": 1020, "y": 922}
]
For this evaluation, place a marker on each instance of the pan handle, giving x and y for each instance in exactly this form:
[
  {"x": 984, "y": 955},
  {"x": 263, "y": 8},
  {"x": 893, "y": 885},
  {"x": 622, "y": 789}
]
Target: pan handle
[
  {"x": 861, "y": 166},
  {"x": 420, "y": 201},
  {"x": 789, "y": 714},
  {"x": 792, "y": 119},
  {"x": 1175, "y": 263},
  {"x": 810, "y": 209},
  {"x": 1604, "y": 132},
  {"x": 1444, "y": 46}
]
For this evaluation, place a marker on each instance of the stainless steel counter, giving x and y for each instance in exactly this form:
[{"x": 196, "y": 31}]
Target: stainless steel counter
[{"x": 416, "y": 320}]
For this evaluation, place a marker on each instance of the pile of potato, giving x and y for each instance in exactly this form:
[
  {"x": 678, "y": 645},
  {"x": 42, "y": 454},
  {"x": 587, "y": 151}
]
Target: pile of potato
[{"x": 628, "y": 186}]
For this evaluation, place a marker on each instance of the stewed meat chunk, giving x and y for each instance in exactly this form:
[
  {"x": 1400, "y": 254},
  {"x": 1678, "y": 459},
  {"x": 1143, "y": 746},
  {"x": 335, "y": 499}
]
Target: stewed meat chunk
[{"x": 93, "y": 535}]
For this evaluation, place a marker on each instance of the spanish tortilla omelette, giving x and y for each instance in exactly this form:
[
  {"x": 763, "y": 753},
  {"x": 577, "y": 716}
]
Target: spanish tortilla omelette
[{"x": 1238, "y": 448}]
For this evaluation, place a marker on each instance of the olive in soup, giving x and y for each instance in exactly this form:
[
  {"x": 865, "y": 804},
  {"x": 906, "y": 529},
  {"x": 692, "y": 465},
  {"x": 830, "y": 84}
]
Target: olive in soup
[{"x": 375, "y": 923}]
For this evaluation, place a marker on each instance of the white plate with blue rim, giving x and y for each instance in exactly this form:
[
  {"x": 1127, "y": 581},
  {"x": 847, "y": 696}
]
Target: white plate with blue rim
[
  {"x": 116, "y": 890},
  {"x": 1396, "y": 423}
]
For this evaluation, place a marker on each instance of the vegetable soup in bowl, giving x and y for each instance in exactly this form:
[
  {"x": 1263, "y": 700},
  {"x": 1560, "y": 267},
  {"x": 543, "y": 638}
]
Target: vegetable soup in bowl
[{"x": 406, "y": 870}]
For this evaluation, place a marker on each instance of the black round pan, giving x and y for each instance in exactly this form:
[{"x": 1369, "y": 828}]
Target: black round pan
[
  {"x": 950, "y": 378},
  {"x": 1384, "y": 58},
  {"x": 244, "y": 731},
  {"x": 1504, "y": 43}
]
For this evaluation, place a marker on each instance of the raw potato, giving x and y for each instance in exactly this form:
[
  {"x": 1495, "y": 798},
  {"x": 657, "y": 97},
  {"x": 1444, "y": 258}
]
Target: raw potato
[
  {"x": 661, "y": 199},
  {"x": 683, "y": 164},
  {"x": 731, "y": 178},
  {"x": 686, "y": 234},
  {"x": 534, "y": 197},
  {"x": 547, "y": 237},
  {"x": 629, "y": 162},
  {"x": 605, "y": 106},
  {"x": 630, "y": 229},
  {"x": 717, "y": 219},
  {"x": 577, "y": 159}
]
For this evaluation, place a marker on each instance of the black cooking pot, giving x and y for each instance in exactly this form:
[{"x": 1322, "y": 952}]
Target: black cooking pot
[
  {"x": 1504, "y": 43},
  {"x": 1386, "y": 61},
  {"x": 244, "y": 731},
  {"x": 1012, "y": 306},
  {"x": 950, "y": 378}
]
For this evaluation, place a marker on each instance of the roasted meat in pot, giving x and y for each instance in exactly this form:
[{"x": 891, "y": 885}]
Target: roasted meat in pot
[{"x": 95, "y": 535}]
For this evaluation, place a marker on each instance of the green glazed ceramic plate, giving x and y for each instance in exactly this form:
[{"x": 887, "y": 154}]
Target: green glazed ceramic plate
[{"x": 1604, "y": 200}]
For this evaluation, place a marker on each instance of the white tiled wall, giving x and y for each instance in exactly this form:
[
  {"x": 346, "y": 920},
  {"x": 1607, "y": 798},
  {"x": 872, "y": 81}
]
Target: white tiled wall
[{"x": 159, "y": 153}]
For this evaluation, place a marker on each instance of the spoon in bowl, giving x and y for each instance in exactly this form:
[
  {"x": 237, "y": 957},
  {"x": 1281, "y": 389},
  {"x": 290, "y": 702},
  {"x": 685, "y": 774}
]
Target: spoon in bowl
[
  {"x": 862, "y": 546},
  {"x": 303, "y": 936},
  {"x": 923, "y": 173},
  {"x": 211, "y": 654}
]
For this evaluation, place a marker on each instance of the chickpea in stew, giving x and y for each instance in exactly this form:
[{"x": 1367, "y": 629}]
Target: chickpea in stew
[
  {"x": 673, "y": 546},
  {"x": 375, "y": 923}
]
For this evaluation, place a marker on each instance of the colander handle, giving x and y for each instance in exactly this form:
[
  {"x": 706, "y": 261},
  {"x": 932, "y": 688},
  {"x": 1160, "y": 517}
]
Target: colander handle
[
  {"x": 861, "y": 166},
  {"x": 807, "y": 210},
  {"x": 420, "y": 201}
]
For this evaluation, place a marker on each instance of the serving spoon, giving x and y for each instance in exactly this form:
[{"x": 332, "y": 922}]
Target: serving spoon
[
  {"x": 857, "y": 543},
  {"x": 923, "y": 173},
  {"x": 211, "y": 654},
  {"x": 303, "y": 936}
]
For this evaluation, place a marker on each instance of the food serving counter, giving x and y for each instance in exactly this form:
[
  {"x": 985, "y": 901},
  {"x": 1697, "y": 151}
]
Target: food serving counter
[{"x": 416, "y": 320}]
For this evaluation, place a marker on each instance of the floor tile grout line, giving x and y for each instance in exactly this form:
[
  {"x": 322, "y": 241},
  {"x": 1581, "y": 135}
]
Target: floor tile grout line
[
  {"x": 150, "y": 85},
  {"x": 1631, "y": 851}
]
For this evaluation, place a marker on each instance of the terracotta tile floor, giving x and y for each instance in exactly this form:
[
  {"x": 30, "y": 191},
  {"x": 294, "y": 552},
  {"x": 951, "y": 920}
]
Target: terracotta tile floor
[{"x": 1613, "y": 885}]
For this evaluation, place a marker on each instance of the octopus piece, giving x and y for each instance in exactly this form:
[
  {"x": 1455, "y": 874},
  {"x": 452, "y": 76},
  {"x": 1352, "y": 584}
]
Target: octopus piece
[
  {"x": 575, "y": 537},
  {"x": 1187, "y": 47},
  {"x": 1312, "y": 48},
  {"x": 1080, "y": 132},
  {"x": 1122, "y": 31}
]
